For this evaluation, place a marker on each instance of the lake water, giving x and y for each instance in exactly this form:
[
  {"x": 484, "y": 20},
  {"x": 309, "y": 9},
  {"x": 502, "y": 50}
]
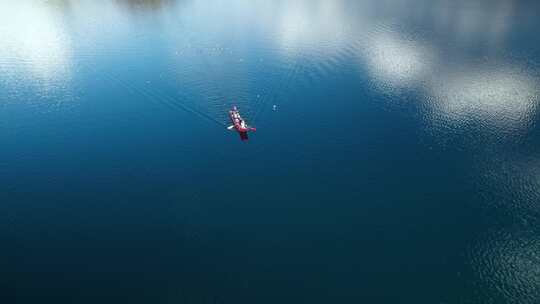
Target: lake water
[{"x": 396, "y": 158}]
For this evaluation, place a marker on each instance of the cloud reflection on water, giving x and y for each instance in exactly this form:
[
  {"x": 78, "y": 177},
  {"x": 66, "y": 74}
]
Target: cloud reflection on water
[
  {"x": 397, "y": 62},
  {"x": 443, "y": 64},
  {"x": 504, "y": 98},
  {"x": 497, "y": 93},
  {"x": 34, "y": 40},
  {"x": 467, "y": 76},
  {"x": 315, "y": 27}
]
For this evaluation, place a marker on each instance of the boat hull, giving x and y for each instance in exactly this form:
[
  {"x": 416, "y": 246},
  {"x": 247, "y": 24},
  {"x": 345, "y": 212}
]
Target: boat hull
[{"x": 239, "y": 124}]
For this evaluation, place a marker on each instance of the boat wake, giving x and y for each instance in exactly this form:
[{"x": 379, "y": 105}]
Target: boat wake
[{"x": 212, "y": 84}]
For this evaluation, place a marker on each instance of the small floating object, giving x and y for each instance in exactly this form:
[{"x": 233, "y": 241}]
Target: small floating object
[
  {"x": 239, "y": 124},
  {"x": 274, "y": 107}
]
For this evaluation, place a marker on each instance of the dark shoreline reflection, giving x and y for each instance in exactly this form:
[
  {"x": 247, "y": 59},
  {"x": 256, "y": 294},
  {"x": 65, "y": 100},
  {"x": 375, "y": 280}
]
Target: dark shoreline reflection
[{"x": 149, "y": 5}]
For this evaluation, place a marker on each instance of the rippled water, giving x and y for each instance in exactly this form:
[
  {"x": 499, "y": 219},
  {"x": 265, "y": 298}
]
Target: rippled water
[{"x": 396, "y": 158}]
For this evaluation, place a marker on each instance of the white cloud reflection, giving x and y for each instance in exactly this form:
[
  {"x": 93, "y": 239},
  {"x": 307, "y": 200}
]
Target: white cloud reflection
[
  {"x": 502, "y": 97},
  {"x": 498, "y": 94},
  {"x": 316, "y": 27},
  {"x": 395, "y": 61},
  {"x": 33, "y": 38},
  {"x": 33, "y": 42}
]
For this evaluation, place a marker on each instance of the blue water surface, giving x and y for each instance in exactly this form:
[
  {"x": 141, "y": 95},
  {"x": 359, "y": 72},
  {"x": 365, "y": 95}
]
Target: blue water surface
[{"x": 396, "y": 158}]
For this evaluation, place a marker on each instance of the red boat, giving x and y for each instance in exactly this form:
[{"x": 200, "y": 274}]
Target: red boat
[{"x": 239, "y": 124}]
